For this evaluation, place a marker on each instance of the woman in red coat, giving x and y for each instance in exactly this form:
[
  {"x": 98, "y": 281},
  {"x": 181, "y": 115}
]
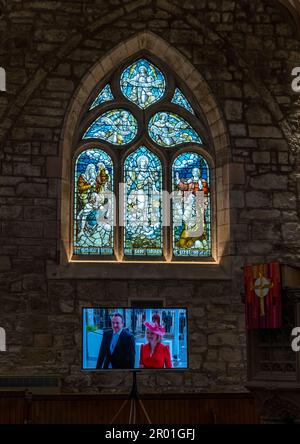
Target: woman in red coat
[{"x": 154, "y": 354}]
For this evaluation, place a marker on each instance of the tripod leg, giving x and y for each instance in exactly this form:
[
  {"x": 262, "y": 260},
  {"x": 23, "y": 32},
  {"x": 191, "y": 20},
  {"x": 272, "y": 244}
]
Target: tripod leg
[
  {"x": 145, "y": 411},
  {"x": 131, "y": 411},
  {"x": 119, "y": 411},
  {"x": 134, "y": 411}
]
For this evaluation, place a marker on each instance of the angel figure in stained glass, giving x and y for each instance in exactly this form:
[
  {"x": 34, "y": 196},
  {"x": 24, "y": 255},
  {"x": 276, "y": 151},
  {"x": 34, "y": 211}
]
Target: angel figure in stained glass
[
  {"x": 168, "y": 131},
  {"x": 117, "y": 127},
  {"x": 144, "y": 86}
]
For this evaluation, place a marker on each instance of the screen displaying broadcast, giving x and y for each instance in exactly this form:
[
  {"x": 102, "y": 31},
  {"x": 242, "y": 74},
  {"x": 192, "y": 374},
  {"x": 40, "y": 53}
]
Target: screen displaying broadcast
[{"x": 134, "y": 338}]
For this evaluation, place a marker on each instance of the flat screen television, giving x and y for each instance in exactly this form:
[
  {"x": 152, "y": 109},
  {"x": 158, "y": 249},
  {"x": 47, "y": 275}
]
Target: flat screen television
[{"x": 134, "y": 338}]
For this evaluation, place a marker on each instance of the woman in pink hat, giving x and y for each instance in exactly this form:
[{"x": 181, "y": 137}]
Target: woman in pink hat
[{"x": 154, "y": 354}]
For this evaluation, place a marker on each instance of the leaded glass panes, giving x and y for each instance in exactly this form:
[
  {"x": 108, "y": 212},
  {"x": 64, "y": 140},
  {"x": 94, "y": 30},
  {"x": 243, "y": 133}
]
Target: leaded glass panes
[
  {"x": 143, "y": 219},
  {"x": 143, "y": 83},
  {"x": 117, "y": 126},
  {"x": 138, "y": 207},
  {"x": 105, "y": 95},
  {"x": 93, "y": 204},
  {"x": 168, "y": 129},
  {"x": 181, "y": 100},
  {"x": 191, "y": 206}
]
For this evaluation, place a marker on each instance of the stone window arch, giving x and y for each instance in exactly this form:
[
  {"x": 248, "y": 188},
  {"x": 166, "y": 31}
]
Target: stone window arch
[
  {"x": 140, "y": 130},
  {"x": 208, "y": 122}
]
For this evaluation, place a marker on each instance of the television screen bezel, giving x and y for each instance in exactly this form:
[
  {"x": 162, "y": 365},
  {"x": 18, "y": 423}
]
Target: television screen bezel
[{"x": 136, "y": 369}]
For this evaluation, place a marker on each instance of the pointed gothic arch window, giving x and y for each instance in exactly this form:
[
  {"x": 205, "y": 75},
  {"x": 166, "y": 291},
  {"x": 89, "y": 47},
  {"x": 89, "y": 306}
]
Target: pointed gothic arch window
[{"x": 141, "y": 172}]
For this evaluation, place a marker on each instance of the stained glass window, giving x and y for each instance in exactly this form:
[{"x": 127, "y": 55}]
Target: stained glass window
[
  {"x": 143, "y": 83},
  {"x": 126, "y": 142},
  {"x": 191, "y": 206},
  {"x": 143, "y": 221},
  {"x": 117, "y": 126},
  {"x": 93, "y": 203},
  {"x": 167, "y": 129},
  {"x": 181, "y": 100},
  {"x": 105, "y": 95}
]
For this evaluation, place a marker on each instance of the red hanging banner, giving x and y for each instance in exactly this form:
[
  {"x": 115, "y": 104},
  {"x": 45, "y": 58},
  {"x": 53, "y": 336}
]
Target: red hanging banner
[{"x": 263, "y": 296}]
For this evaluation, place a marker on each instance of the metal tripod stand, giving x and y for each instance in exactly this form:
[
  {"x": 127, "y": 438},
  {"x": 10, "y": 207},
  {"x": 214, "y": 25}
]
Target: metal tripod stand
[{"x": 135, "y": 402}]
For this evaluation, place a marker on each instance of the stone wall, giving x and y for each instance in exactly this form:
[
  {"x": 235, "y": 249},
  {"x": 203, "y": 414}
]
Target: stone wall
[{"x": 245, "y": 50}]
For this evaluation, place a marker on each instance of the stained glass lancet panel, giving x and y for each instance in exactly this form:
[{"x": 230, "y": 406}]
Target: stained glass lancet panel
[
  {"x": 143, "y": 213},
  {"x": 143, "y": 83},
  {"x": 93, "y": 204},
  {"x": 181, "y": 100},
  {"x": 168, "y": 129},
  {"x": 191, "y": 206},
  {"x": 105, "y": 95},
  {"x": 117, "y": 126}
]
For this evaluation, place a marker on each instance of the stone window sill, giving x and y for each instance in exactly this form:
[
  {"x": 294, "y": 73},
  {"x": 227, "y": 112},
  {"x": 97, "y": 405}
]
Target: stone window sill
[{"x": 139, "y": 270}]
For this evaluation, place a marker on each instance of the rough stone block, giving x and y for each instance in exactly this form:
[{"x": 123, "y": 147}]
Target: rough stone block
[
  {"x": 258, "y": 114},
  {"x": 57, "y": 289},
  {"x": 291, "y": 232},
  {"x": 39, "y": 213},
  {"x": 11, "y": 212},
  {"x": 223, "y": 338},
  {"x": 49, "y": 149},
  {"x": 245, "y": 143},
  {"x": 269, "y": 182},
  {"x": 27, "y": 265},
  {"x": 214, "y": 368},
  {"x": 259, "y": 214},
  {"x": 34, "y": 281},
  {"x": 230, "y": 354},
  {"x": 284, "y": 200},
  {"x": 262, "y": 248},
  {"x": 50, "y": 230},
  {"x": 257, "y": 199},
  {"x": 237, "y": 199},
  {"x": 238, "y": 129},
  {"x": 5, "y": 263},
  {"x": 26, "y": 169},
  {"x": 59, "y": 84},
  {"x": 266, "y": 231},
  {"x": 265, "y": 131},
  {"x": 43, "y": 340},
  {"x": 261, "y": 157},
  {"x": 91, "y": 289},
  {"x": 66, "y": 305},
  {"x": 27, "y": 133},
  {"x": 232, "y": 90},
  {"x": 240, "y": 232},
  {"x": 283, "y": 158},
  {"x": 37, "y": 323},
  {"x": 53, "y": 166},
  {"x": 31, "y": 189},
  {"x": 23, "y": 229},
  {"x": 22, "y": 148},
  {"x": 234, "y": 110}
]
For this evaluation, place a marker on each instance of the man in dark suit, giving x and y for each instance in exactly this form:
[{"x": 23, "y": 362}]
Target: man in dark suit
[{"x": 117, "y": 347}]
